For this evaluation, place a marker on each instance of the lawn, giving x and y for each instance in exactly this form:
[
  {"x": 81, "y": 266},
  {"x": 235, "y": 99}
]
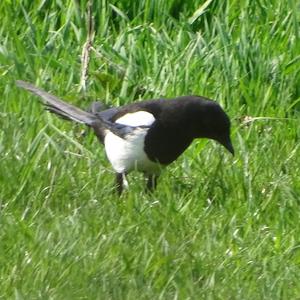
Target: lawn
[{"x": 217, "y": 227}]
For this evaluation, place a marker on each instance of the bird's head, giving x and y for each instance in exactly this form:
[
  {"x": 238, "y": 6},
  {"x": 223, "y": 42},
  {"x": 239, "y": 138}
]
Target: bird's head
[{"x": 210, "y": 121}]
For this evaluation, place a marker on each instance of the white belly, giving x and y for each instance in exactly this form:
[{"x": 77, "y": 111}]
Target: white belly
[{"x": 128, "y": 155}]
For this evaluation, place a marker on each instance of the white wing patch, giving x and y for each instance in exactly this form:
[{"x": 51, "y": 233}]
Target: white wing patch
[
  {"x": 128, "y": 154},
  {"x": 139, "y": 118}
]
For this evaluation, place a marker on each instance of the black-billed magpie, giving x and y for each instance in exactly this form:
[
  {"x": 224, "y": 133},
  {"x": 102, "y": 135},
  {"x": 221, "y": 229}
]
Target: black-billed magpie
[{"x": 146, "y": 135}]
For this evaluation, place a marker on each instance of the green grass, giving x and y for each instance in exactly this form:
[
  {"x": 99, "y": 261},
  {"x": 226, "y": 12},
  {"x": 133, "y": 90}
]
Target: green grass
[{"x": 217, "y": 227}]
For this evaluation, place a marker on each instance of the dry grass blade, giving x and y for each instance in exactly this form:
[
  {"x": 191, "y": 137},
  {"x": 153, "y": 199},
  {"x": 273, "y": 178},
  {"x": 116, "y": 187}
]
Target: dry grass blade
[{"x": 85, "y": 56}]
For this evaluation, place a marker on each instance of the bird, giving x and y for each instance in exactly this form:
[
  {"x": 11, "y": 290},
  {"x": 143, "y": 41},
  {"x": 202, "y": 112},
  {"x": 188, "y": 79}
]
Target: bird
[{"x": 148, "y": 135}]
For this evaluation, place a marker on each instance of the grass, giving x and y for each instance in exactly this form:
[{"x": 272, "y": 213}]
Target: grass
[{"x": 217, "y": 227}]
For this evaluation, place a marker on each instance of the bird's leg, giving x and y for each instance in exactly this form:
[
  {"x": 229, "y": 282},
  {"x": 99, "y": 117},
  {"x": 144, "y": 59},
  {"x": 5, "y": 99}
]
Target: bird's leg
[
  {"x": 152, "y": 182},
  {"x": 119, "y": 183}
]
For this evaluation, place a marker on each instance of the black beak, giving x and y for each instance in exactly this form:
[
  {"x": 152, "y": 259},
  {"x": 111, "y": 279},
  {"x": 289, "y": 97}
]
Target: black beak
[{"x": 226, "y": 142}]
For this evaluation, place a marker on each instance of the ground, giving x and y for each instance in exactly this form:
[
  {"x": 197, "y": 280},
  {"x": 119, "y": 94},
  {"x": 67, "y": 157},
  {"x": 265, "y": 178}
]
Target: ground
[{"x": 217, "y": 227}]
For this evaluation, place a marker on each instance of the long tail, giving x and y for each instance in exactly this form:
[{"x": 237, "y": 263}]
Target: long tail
[
  {"x": 98, "y": 121},
  {"x": 57, "y": 106}
]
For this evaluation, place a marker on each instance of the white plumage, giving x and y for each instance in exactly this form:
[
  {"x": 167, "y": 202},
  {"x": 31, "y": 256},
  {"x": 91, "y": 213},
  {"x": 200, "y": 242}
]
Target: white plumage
[
  {"x": 128, "y": 154},
  {"x": 138, "y": 118}
]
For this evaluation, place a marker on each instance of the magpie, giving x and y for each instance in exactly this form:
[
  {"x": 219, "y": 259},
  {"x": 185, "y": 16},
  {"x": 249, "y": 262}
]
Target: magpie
[{"x": 145, "y": 136}]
